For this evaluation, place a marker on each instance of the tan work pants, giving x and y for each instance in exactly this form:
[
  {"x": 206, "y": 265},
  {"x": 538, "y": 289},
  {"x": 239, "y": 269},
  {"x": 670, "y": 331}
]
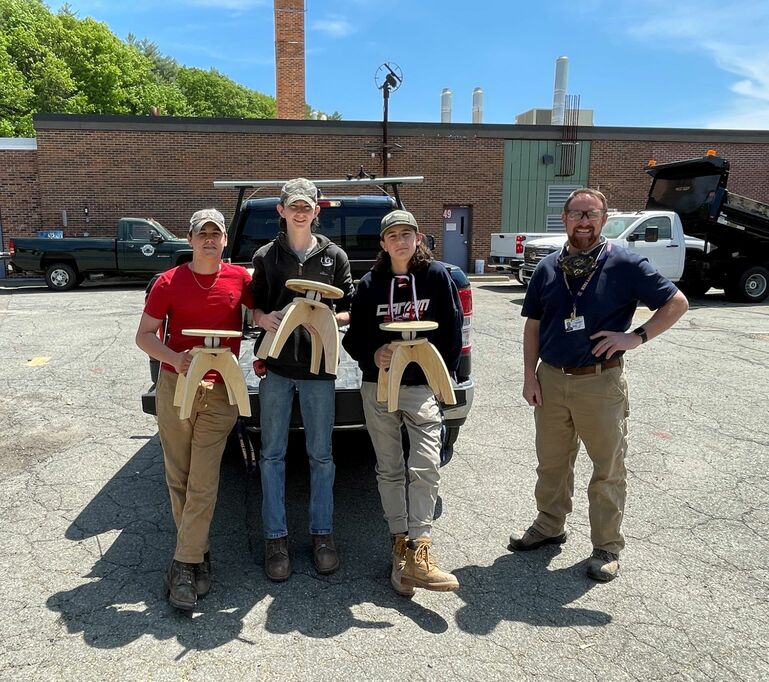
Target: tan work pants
[
  {"x": 593, "y": 409},
  {"x": 192, "y": 453}
]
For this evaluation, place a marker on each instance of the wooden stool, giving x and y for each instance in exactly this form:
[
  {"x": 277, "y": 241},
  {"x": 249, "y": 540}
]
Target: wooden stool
[
  {"x": 308, "y": 309},
  {"x": 204, "y": 359},
  {"x": 413, "y": 349}
]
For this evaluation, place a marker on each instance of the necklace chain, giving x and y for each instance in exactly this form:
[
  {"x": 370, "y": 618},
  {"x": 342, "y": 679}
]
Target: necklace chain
[{"x": 216, "y": 279}]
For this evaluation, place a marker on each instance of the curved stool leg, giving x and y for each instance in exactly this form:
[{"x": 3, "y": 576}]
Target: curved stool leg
[
  {"x": 324, "y": 321},
  {"x": 229, "y": 368},
  {"x": 294, "y": 316},
  {"x": 198, "y": 367},
  {"x": 181, "y": 383},
  {"x": 435, "y": 370},
  {"x": 264, "y": 347},
  {"x": 401, "y": 358}
]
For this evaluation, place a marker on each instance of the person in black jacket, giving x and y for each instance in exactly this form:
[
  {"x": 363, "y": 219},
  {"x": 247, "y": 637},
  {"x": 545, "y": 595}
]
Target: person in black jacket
[
  {"x": 406, "y": 284},
  {"x": 297, "y": 253}
]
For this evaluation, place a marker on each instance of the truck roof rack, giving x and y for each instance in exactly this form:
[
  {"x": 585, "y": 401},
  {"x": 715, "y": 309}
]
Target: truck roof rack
[
  {"x": 341, "y": 182},
  {"x": 362, "y": 179}
]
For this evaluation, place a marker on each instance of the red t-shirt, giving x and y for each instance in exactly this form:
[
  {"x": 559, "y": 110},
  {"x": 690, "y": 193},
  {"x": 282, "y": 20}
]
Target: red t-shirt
[{"x": 200, "y": 302}]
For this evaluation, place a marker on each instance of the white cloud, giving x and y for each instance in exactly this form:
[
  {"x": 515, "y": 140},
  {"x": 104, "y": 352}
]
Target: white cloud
[
  {"x": 732, "y": 34},
  {"x": 336, "y": 28}
]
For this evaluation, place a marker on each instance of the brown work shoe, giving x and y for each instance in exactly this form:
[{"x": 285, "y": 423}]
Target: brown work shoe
[
  {"x": 399, "y": 561},
  {"x": 277, "y": 565},
  {"x": 533, "y": 539},
  {"x": 203, "y": 576},
  {"x": 324, "y": 554},
  {"x": 603, "y": 565},
  {"x": 422, "y": 571},
  {"x": 180, "y": 585}
]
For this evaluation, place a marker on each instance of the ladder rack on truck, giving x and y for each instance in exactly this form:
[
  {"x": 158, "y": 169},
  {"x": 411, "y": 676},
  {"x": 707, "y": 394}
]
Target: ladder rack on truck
[{"x": 738, "y": 227}]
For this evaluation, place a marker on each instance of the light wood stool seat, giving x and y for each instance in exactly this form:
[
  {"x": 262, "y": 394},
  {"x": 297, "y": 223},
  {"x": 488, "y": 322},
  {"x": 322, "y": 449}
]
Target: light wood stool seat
[
  {"x": 211, "y": 356},
  {"x": 412, "y": 349},
  {"x": 310, "y": 310}
]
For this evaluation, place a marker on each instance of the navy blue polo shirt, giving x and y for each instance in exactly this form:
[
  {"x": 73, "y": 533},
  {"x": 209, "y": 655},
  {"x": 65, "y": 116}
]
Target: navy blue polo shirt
[{"x": 608, "y": 303}]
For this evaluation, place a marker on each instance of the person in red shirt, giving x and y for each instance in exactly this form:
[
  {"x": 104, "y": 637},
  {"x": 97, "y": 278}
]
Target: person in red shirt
[{"x": 205, "y": 294}]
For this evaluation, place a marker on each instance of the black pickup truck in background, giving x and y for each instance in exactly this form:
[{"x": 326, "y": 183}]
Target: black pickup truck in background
[
  {"x": 353, "y": 223},
  {"x": 142, "y": 248}
]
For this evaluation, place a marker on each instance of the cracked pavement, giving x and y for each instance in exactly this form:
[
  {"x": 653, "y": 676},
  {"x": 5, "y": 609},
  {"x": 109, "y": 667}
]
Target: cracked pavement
[{"x": 88, "y": 531}]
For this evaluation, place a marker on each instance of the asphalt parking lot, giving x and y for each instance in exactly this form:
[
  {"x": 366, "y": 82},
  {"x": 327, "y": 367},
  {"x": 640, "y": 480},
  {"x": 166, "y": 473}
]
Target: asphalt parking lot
[{"x": 87, "y": 530}]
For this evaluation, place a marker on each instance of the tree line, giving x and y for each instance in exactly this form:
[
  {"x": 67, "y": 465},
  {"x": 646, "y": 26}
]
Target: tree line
[{"x": 59, "y": 63}]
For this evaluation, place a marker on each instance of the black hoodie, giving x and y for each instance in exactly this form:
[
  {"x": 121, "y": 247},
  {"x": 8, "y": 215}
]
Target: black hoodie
[
  {"x": 437, "y": 300},
  {"x": 276, "y": 262}
]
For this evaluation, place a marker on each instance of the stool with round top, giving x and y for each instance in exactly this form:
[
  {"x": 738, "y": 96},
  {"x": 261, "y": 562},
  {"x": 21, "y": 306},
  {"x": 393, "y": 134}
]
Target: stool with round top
[
  {"x": 413, "y": 349},
  {"x": 212, "y": 356},
  {"x": 309, "y": 310}
]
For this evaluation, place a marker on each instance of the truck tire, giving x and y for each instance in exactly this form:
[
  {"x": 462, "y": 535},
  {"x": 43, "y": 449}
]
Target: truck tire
[
  {"x": 61, "y": 277},
  {"x": 749, "y": 286},
  {"x": 694, "y": 288}
]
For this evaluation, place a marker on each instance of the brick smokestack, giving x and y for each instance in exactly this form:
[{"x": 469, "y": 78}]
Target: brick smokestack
[{"x": 289, "y": 58}]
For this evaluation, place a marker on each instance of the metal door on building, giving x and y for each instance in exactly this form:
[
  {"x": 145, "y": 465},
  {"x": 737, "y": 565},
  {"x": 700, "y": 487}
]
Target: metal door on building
[{"x": 456, "y": 235}]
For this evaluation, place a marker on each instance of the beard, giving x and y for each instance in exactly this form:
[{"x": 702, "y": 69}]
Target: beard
[{"x": 583, "y": 242}]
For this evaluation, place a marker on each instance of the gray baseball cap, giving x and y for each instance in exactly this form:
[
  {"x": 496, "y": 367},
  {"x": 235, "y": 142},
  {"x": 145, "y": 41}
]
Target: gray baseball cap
[
  {"x": 398, "y": 217},
  {"x": 299, "y": 189},
  {"x": 205, "y": 216}
]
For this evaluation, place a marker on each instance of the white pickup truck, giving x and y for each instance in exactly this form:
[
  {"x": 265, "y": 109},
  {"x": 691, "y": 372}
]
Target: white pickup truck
[
  {"x": 507, "y": 250},
  {"x": 657, "y": 235}
]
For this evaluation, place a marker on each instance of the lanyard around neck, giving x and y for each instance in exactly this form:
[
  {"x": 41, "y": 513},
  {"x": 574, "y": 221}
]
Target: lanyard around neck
[{"x": 414, "y": 306}]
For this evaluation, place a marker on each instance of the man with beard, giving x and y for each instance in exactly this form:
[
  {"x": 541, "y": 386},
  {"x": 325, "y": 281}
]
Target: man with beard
[{"x": 579, "y": 306}]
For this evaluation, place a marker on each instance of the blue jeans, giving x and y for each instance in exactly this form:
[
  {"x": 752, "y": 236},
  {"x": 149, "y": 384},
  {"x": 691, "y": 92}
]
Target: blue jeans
[{"x": 316, "y": 401}]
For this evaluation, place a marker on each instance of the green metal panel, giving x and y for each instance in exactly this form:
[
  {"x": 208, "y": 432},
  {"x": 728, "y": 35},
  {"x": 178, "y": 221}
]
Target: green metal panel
[{"x": 526, "y": 178}]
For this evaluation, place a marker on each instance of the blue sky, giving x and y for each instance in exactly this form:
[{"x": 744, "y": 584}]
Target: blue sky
[{"x": 688, "y": 63}]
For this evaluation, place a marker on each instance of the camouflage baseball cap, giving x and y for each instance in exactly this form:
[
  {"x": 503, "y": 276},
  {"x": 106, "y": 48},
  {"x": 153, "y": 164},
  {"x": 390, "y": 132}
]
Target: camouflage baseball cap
[
  {"x": 205, "y": 216},
  {"x": 398, "y": 217},
  {"x": 299, "y": 189}
]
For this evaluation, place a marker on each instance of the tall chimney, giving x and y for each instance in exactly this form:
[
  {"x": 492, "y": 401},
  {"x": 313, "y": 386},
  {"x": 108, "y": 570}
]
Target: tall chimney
[
  {"x": 559, "y": 92},
  {"x": 289, "y": 58},
  {"x": 445, "y": 105},
  {"x": 477, "y": 105}
]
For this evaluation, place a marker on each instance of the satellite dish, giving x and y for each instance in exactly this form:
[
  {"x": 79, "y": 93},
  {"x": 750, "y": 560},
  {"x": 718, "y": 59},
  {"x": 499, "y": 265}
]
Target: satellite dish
[{"x": 388, "y": 75}]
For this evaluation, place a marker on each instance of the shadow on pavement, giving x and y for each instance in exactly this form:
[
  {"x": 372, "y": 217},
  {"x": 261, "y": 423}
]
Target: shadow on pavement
[
  {"x": 122, "y": 599},
  {"x": 518, "y": 587}
]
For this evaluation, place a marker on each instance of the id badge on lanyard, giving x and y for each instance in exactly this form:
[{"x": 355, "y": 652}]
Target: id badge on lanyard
[{"x": 574, "y": 322}]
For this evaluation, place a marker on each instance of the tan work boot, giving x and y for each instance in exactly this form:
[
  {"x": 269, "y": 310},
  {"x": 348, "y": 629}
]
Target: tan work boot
[
  {"x": 399, "y": 561},
  {"x": 277, "y": 565},
  {"x": 422, "y": 571}
]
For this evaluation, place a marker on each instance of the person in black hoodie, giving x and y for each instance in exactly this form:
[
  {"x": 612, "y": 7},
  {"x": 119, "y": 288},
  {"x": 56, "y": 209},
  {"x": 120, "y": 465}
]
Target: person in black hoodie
[
  {"x": 406, "y": 284},
  {"x": 297, "y": 253}
]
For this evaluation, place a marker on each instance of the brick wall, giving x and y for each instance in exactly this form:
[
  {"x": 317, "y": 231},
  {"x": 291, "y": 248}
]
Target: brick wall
[
  {"x": 164, "y": 168},
  {"x": 289, "y": 58},
  {"x": 19, "y": 194}
]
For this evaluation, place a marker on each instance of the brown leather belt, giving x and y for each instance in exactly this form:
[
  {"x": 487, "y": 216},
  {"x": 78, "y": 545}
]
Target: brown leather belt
[{"x": 592, "y": 369}]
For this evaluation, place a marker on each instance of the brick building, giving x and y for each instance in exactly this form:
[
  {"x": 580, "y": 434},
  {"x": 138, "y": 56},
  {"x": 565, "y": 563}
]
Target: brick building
[{"x": 164, "y": 168}]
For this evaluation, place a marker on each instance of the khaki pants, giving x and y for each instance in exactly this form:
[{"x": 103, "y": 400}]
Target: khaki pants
[
  {"x": 419, "y": 411},
  {"x": 192, "y": 453},
  {"x": 594, "y": 409}
]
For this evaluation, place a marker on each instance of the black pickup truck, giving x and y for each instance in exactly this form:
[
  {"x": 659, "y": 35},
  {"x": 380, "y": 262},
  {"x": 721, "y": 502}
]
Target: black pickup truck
[
  {"x": 141, "y": 248},
  {"x": 353, "y": 223}
]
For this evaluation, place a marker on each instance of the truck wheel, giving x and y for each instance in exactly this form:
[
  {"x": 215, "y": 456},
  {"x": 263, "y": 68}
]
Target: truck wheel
[
  {"x": 750, "y": 286},
  {"x": 450, "y": 435},
  {"x": 61, "y": 277}
]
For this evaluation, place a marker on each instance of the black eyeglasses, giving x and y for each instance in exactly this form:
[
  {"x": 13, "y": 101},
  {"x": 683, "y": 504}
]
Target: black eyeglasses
[{"x": 591, "y": 215}]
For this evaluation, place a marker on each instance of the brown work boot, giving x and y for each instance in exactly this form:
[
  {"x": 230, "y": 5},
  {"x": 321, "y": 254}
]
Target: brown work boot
[
  {"x": 399, "y": 561},
  {"x": 533, "y": 539},
  {"x": 180, "y": 585},
  {"x": 603, "y": 565},
  {"x": 422, "y": 571},
  {"x": 203, "y": 576},
  {"x": 277, "y": 565},
  {"x": 324, "y": 554}
]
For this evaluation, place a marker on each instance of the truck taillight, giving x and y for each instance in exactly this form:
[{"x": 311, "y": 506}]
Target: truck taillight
[
  {"x": 466, "y": 299},
  {"x": 11, "y": 248},
  {"x": 519, "y": 239}
]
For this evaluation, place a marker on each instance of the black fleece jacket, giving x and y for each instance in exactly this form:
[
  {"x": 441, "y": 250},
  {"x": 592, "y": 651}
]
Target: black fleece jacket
[
  {"x": 276, "y": 262},
  {"x": 437, "y": 300}
]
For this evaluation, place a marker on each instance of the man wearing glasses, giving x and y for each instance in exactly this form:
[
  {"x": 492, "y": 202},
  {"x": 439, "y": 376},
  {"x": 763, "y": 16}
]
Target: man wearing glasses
[{"x": 579, "y": 307}]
